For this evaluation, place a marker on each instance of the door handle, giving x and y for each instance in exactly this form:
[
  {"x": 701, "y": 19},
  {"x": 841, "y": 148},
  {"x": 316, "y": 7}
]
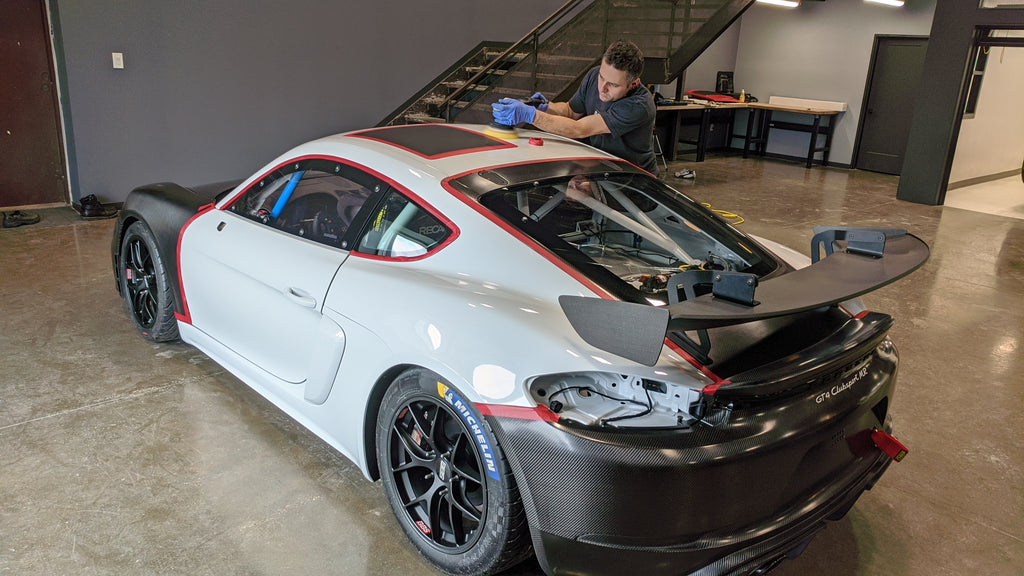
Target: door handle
[{"x": 301, "y": 297}]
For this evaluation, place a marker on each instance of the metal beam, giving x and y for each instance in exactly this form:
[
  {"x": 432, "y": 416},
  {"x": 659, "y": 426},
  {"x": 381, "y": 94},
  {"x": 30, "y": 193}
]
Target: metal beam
[{"x": 937, "y": 114}]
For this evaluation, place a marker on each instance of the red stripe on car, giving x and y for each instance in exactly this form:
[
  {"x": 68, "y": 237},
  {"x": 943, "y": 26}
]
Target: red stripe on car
[
  {"x": 185, "y": 315},
  {"x": 541, "y": 413}
]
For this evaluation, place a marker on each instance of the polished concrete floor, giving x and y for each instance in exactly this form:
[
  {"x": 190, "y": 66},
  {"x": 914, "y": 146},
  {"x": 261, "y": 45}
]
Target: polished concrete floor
[
  {"x": 1002, "y": 197},
  {"x": 118, "y": 456}
]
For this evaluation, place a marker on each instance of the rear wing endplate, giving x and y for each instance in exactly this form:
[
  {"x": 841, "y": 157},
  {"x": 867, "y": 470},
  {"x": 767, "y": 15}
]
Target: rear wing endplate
[{"x": 857, "y": 261}]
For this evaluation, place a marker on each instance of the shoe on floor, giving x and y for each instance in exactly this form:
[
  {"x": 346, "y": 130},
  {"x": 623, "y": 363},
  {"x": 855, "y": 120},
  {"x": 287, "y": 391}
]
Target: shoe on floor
[
  {"x": 19, "y": 218},
  {"x": 91, "y": 207},
  {"x": 688, "y": 174}
]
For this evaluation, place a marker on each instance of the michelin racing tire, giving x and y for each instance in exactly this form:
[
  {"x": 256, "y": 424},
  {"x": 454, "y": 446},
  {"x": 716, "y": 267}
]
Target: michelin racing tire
[{"x": 447, "y": 479}]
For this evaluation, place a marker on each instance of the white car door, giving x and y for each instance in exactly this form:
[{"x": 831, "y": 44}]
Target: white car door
[{"x": 255, "y": 275}]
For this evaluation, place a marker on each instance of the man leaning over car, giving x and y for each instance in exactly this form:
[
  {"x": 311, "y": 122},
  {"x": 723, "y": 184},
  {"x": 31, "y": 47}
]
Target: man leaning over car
[{"x": 611, "y": 108}]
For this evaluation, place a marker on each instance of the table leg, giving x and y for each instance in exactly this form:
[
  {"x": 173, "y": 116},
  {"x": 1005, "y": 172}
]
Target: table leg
[
  {"x": 828, "y": 140},
  {"x": 766, "y": 126},
  {"x": 814, "y": 140},
  {"x": 672, "y": 136},
  {"x": 752, "y": 115},
  {"x": 702, "y": 138}
]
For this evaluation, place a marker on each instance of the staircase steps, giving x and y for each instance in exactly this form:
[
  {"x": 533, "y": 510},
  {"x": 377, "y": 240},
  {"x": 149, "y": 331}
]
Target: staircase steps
[
  {"x": 553, "y": 58},
  {"x": 421, "y": 118}
]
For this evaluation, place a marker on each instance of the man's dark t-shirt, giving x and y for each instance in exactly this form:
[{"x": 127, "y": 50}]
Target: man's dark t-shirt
[{"x": 630, "y": 119}]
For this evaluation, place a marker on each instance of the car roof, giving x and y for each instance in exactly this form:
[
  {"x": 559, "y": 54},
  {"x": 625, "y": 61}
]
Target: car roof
[{"x": 444, "y": 150}]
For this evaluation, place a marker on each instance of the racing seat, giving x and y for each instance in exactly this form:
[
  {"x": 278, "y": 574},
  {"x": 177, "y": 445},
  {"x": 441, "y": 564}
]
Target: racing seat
[{"x": 349, "y": 203}]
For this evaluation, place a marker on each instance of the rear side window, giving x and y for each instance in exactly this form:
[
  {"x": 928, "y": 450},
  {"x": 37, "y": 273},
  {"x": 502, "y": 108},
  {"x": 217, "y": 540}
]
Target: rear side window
[
  {"x": 627, "y": 232},
  {"x": 402, "y": 229}
]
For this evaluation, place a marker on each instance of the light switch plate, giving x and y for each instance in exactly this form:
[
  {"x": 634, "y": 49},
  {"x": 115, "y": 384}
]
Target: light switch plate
[{"x": 118, "y": 59}]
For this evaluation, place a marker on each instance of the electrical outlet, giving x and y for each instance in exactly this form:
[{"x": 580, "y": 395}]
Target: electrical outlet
[{"x": 118, "y": 59}]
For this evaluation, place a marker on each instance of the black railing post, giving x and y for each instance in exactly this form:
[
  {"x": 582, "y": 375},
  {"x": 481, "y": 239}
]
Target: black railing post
[
  {"x": 536, "y": 60},
  {"x": 671, "y": 30},
  {"x": 607, "y": 18}
]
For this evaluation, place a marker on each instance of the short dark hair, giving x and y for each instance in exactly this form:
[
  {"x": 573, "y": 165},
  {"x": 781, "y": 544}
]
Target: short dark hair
[{"x": 626, "y": 56}]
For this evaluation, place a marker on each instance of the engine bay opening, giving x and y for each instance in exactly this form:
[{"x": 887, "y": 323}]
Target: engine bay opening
[{"x": 624, "y": 401}]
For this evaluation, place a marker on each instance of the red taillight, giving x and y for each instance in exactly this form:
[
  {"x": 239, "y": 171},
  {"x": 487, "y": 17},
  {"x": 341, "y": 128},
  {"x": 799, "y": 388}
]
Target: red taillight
[{"x": 888, "y": 444}]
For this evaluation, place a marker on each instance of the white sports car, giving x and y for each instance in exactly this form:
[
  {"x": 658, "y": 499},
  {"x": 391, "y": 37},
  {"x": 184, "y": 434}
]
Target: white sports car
[{"x": 536, "y": 347}]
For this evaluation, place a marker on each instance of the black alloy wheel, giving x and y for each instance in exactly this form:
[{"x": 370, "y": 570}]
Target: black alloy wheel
[
  {"x": 140, "y": 279},
  {"x": 438, "y": 474},
  {"x": 447, "y": 480},
  {"x": 145, "y": 286}
]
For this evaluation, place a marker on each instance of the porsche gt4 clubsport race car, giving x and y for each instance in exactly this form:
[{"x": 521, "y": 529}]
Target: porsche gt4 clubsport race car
[{"x": 535, "y": 346}]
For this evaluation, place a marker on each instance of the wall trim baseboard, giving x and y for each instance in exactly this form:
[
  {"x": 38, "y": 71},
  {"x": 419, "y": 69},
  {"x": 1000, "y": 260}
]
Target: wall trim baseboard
[{"x": 981, "y": 179}]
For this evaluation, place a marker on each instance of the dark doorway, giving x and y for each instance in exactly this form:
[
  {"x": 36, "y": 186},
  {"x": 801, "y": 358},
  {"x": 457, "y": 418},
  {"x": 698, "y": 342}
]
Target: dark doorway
[
  {"x": 31, "y": 155},
  {"x": 896, "y": 65}
]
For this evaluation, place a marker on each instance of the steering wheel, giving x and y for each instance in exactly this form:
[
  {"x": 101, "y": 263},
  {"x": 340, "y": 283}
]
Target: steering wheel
[{"x": 326, "y": 228}]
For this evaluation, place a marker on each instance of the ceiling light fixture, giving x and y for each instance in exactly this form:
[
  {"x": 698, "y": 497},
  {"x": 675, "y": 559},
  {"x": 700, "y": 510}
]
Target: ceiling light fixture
[
  {"x": 783, "y": 3},
  {"x": 896, "y": 3}
]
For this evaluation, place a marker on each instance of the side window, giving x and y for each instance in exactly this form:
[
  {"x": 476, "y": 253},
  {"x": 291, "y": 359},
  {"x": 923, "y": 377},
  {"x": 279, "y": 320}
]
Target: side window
[
  {"x": 402, "y": 229},
  {"x": 318, "y": 201}
]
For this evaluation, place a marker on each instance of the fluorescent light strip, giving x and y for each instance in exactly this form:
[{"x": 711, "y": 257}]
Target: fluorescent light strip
[
  {"x": 783, "y": 3},
  {"x": 896, "y": 3}
]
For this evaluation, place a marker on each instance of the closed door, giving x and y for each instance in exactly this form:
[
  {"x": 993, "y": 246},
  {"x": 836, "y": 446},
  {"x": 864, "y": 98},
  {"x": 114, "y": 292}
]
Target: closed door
[
  {"x": 31, "y": 157},
  {"x": 256, "y": 290},
  {"x": 889, "y": 105}
]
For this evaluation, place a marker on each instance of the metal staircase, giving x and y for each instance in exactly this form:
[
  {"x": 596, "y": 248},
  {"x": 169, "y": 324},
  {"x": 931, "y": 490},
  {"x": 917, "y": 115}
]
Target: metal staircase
[
  {"x": 424, "y": 106},
  {"x": 553, "y": 57}
]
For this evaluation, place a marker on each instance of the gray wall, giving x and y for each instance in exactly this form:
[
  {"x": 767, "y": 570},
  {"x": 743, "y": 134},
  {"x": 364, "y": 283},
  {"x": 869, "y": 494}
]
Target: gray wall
[
  {"x": 721, "y": 55},
  {"x": 821, "y": 51},
  {"x": 213, "y": 90}
]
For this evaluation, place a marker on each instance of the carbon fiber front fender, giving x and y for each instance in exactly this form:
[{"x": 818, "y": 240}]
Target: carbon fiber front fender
[{"x": 164, "y": 208}]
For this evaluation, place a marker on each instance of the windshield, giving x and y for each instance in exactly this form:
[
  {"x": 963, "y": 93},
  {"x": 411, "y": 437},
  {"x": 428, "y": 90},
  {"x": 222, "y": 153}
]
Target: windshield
[{"x": 628, "y": 232}]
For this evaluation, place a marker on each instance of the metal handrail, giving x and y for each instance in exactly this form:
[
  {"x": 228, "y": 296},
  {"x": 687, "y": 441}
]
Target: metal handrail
[
  {"x": 531, "y": 36},
  {"x": 433, "y": 84}
]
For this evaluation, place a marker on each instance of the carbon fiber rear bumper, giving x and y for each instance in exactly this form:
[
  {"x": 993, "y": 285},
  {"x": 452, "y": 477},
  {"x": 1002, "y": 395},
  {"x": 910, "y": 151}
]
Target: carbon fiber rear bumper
[
  {"x": 750, "y": 551},
  {"x": 723, "y": 500}
]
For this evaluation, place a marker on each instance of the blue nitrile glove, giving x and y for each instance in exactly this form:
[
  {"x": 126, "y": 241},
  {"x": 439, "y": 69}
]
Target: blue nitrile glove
[
  {"x": 542, "y": 107},
  {"x": 510, "y": 112}
]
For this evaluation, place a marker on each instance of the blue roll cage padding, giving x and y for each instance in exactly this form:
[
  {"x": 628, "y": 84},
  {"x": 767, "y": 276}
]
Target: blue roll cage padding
[{"x": 288, "y": 189}]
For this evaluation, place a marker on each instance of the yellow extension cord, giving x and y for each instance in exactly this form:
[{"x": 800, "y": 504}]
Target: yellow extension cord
[{"x": 725, "y": 214}]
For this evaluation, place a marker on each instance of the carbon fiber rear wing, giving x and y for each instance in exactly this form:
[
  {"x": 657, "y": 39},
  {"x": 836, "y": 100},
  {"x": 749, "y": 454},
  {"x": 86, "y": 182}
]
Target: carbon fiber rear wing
[{"x": 857, "y": 261}]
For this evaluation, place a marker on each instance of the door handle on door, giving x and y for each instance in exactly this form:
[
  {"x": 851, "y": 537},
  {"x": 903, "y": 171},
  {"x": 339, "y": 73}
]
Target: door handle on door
[{"x": 301, "y": 297}]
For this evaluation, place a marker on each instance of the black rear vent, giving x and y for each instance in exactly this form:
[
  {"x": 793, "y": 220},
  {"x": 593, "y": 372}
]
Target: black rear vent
[{"x": 881, "y": 409}]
